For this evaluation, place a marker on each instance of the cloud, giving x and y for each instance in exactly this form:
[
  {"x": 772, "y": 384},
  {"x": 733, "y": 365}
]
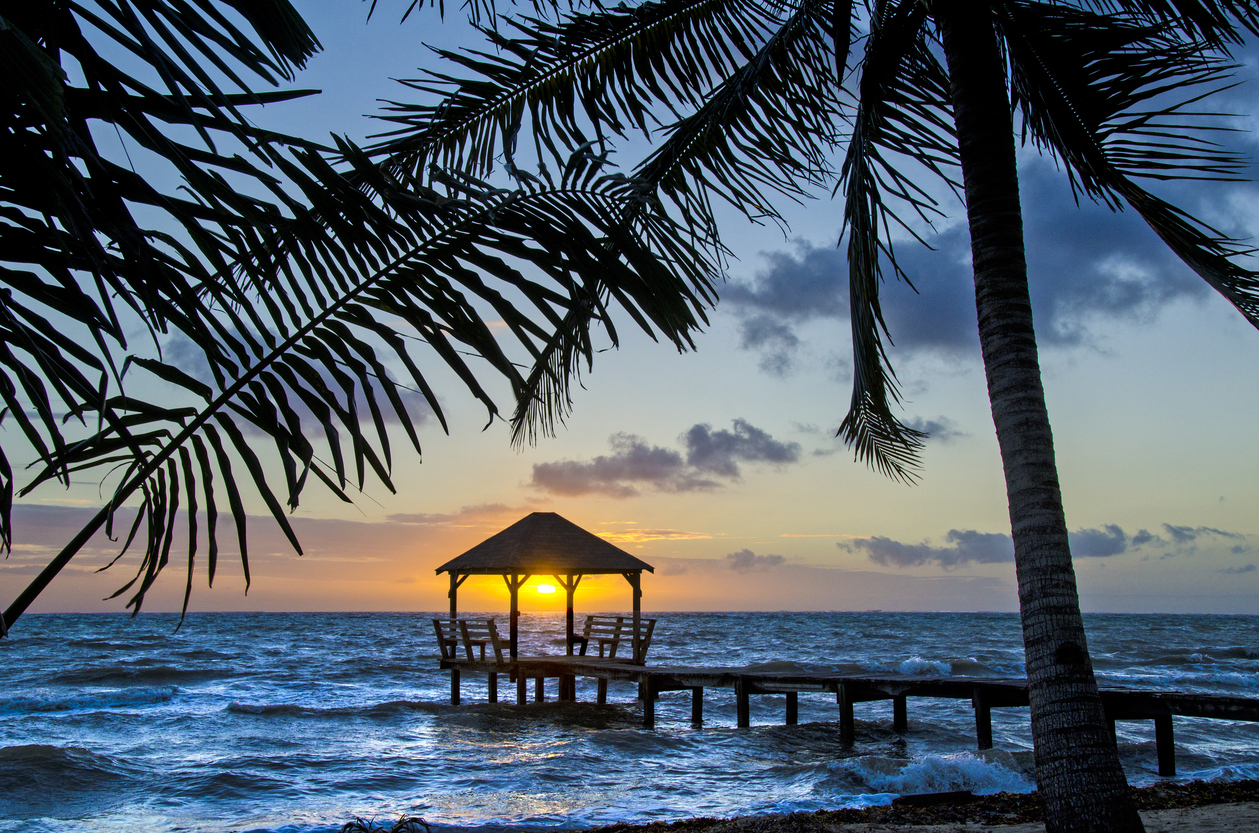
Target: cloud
[
  {"x": 635, "y": 464},
  {"x": 719, "y": 452},
  {"x": 477, "y": 515},
  {"x": 941, "y": 429},
  {"x": 746, "y": 561},
  {"x": 1236, "y": 571},
  {"x": 632, "y": 462},
  {"x": 637, "y": 536},
  {"x": 1087, "y": 265},
  {"x": 1184, "y": 540},
  {"x": 964, "y": 547},
  {"x": 1098, "y": 543}
]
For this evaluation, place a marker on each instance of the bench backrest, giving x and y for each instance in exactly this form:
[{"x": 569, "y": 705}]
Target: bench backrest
[
  {"x": 447, "y": 636},
  {"x": 611, "y": 631},
  {"x": 472, "y": 634}
]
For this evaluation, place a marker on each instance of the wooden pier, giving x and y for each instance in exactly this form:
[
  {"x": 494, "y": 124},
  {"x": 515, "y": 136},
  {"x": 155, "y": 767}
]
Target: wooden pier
[{"x": 984, "y": 694}]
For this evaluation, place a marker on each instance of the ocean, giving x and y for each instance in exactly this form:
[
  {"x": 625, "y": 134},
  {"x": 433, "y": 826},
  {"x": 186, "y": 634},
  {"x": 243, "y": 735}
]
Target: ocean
[{"x": 300, "y": 722}]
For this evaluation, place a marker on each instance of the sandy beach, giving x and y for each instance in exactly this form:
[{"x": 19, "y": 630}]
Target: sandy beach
[{"x": 1202, "y": 807}]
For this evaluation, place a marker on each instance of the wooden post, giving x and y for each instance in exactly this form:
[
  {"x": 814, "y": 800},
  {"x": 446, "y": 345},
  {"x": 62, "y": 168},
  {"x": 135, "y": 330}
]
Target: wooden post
[
  {"x": 742, "y": 707},
  {"x": 697, "y": 704},
  {"x": 847, "y": 724},
  {"x": 635, "y": 583},
  {"x": 602, "y": 696},
  {"x": 520, "y": 688},
  {"x": 983, "y": 719},
  {"x": 454, "y": 686},
  {"x": 454, "y": 595},
  {"x": 900, "y": 714},
  {"x": 514, "y": 583},
  {"x": 793, "y": 708},
  {"x": 491, "y": 688},
  {"x": 649, "y": 704},
  {"x": 1166, "y": 742},
  {"x": 569, "y": 583},
  {"x": 539, "y": 690}
]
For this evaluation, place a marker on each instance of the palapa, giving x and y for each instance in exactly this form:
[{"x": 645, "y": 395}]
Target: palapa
[{"x": 544, "y": 543}]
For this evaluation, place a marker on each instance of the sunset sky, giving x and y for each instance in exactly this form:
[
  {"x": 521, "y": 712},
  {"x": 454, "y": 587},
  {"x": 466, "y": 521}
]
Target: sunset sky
[{"x": 720, "y": 467}]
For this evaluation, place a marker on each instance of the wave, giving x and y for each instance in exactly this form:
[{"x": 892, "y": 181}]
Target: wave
[
  {"x": 386, "y": 709},
  {"x": 46, "y": 701},
  {"x": 62, "y": 782},
  {"x": 130, "y": 674},
  {"x": 991, "y": 773}
]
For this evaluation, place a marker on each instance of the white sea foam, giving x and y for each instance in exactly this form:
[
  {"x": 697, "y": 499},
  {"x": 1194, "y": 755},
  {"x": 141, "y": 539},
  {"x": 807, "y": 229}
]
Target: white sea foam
[
  {"x": 925, "y": 667},
  {"x": 940, "y": 773}
]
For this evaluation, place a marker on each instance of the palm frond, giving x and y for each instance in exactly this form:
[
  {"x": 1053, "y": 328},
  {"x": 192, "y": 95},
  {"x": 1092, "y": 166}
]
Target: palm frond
[
  {"x": 434, "y": 262},
  {"x": 768, "y": 129},
  {"x": 588, "y": 75},
  {"x": 1218, "y": 24},
  {"x": 1111, "y": 100},
  {"x": 902, "y": 114}
]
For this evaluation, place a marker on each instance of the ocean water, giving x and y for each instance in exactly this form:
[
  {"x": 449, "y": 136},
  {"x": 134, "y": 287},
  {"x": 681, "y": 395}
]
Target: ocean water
[{"x": 302, "y": 722}]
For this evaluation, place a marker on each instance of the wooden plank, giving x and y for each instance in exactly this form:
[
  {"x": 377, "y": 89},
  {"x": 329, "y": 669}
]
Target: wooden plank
[
  {"x": 491, "y": 688},
  {"x": 793, "y": 708},
  {"x": 743, "y": 712},
  {"x": 697, "y": 705},
  {"x": 454, "y": 686}
]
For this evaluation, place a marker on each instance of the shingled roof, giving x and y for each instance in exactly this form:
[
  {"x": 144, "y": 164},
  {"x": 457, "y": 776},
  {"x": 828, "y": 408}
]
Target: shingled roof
[{"x": 544, "y": 544}]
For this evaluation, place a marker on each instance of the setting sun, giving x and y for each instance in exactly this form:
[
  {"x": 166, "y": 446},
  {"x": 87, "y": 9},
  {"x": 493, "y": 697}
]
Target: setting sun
[{"x": 546, "y": 588}]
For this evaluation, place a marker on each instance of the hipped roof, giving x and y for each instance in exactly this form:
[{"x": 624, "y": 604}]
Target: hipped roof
[{"x": 544, "y": 544}]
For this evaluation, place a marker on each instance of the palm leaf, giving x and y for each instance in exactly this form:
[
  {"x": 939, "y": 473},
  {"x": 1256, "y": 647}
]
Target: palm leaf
[
  {"x": 902, "y": 113},
  {"x": 1112, "y": 103}
]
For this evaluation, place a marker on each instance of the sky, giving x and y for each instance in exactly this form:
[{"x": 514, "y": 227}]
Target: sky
[{"x": 720, "y": 466}]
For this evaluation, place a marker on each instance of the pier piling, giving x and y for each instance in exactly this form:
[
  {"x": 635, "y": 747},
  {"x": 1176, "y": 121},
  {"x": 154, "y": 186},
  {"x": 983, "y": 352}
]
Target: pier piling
[{"x": 900, "y": 714}]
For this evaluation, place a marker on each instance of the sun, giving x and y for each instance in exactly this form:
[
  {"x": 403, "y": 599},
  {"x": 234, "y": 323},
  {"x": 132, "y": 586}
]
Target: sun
[{"x": 546, "y": 588}]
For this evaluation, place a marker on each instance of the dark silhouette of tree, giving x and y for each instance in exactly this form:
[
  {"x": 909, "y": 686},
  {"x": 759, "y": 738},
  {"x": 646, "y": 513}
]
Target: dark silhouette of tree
[
  {"x": 202, "y": 281},
  {"x": 751, "y": 100}
]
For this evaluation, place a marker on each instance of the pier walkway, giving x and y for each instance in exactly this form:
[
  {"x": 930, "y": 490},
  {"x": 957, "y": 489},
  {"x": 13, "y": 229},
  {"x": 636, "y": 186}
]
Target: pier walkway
[{"x": 983, "y": 693}]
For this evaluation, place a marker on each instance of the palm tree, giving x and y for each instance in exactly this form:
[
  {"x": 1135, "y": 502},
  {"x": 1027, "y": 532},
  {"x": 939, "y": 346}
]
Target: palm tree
[
  {"x": 747, "y": 104},
  {"x": 307, "y": 291}
]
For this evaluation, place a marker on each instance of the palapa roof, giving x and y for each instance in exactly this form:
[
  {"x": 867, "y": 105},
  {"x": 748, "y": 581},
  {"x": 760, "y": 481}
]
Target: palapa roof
[{"x": 544, "y": 544}]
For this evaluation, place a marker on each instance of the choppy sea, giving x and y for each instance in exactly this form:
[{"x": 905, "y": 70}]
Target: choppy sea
[{"x": 302, "y": 722}]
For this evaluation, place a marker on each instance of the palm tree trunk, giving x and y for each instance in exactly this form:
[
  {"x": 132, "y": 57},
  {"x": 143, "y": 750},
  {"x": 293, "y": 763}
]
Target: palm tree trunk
[{"x": 1080, "y": 779}]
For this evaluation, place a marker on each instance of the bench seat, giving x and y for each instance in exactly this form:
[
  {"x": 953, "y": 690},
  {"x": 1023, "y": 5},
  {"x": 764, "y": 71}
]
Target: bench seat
[
  {"x": 608, "y": 632},
  {"x": 475, "y": 635}
]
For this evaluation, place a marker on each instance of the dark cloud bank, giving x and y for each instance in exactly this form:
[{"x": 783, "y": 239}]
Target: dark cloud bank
[
  {"x": 707, "y": 458},
  {"x": 1085, "y": 264},
  {"x": 964, "y": 547}
]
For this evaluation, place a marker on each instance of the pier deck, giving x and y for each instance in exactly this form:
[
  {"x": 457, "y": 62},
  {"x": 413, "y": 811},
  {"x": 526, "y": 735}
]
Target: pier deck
[{"x": 984, "y": 693}]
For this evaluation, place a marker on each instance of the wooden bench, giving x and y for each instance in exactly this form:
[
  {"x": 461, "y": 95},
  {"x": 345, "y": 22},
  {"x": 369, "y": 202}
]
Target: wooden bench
[
  {"x": 472, "y": 634},
  {"x": 610, "y": 631}
]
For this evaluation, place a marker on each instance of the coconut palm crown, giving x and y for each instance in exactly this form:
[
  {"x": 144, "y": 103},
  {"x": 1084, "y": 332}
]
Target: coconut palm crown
[{"x": 750, "y": 102}]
